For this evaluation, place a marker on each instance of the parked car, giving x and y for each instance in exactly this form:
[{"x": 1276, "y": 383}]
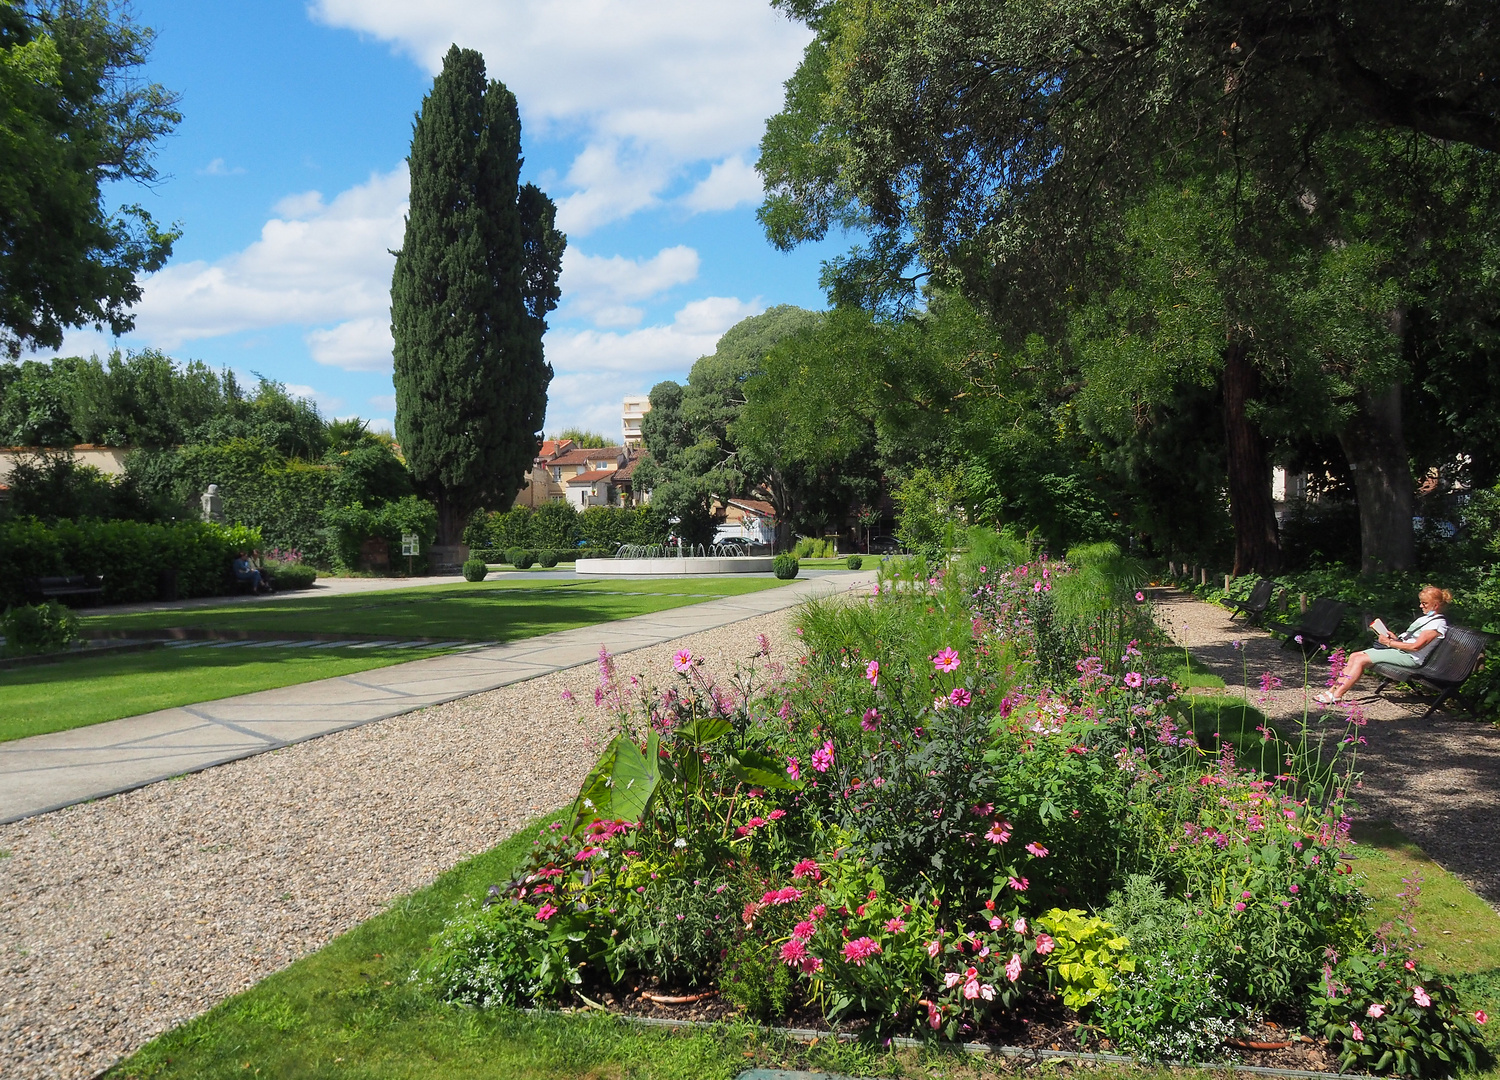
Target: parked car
[
  {"x": 884, "y": 545},
  {"x": 738, "y": 544}
]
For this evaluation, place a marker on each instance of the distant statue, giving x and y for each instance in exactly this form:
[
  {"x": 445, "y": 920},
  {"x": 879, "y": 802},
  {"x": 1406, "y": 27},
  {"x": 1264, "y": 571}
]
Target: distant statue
[{"x": 213, "y": 504}]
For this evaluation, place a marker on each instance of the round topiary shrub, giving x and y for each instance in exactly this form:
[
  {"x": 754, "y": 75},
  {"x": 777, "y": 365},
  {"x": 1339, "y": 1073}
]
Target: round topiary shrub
[
  {"x": 547, "y": 558},
  {"x": 515, "y": 555},
  {"x": 291, "y": 575},
  {"x": 522, "y": 560},
  {"x": 785, "y": 566},
  {"x": 854, "y": 562},
  {"x": 48, "y": 627},
  {"x": 475, "y": 570}
]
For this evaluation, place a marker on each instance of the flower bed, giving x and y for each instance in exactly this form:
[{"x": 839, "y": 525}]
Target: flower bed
[{"x": 969, "y": 810}]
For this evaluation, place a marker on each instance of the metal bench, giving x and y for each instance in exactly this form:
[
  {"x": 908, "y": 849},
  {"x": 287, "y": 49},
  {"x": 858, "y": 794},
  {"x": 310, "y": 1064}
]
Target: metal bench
[
  {"x": 1456, "y": 657},
  {"x": 79, "y": 586},
  {"x": 1254, "y": 606},
  {"x": 1317, "y": 627}
]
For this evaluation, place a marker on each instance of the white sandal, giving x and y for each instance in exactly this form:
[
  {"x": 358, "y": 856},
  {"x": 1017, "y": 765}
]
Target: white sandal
[{"x": 1326, "y": 698}]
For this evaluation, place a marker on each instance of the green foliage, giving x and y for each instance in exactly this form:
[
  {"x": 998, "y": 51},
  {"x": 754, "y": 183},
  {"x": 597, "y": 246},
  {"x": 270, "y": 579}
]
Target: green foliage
[
  {"x": 1173, "y": 1007},
  {"x": 929, "y": 511},
  {"x": 854, "y": 562},
  {"x": 553, "y": 525},
  {"x": 582, "y": 439},
  {"x": 1088, "y": 955},
  {"x": 521, "y": 558},
  {"x": 78, "y": 118},
  {"x": 484, "y": 956},
  {"x": 547, "y": 558},
  {"x": 475, "y": 570},
  {"x": 128, "y": 555},
  {"x": 678, "y": 929},
  {"x": 813, "y": 547},
  {"x": 785, "y": 566},
  {"x": 54, "y": 486},
  {"x": 40, "y": 628},
  {"x": 757, "y": 981},
  {"x": 287, "y": 576},
  {"x": 474, "y": 281},
  {"x": 349, "y": 526}
]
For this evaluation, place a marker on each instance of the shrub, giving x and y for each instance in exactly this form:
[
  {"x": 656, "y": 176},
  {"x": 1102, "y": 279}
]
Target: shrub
[
  {"x": 854, "y": 562},
  {"x": 547, "y": 558},
  {"x": 515, "y": 555},
  {"x": 484, "y": 957},
  {"x": 522, "y": 559},
  {"x": 291, "y": 575},
  {"x": 42, "y": 628},
  {"x": 475, "y": 570},
  {"x": 351, "y": 525},
  {"x": 785, "y": 566}
]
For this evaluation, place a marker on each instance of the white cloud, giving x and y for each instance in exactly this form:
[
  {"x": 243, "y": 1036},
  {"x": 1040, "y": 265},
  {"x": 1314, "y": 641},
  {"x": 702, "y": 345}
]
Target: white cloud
[
  {"x": 651, "y": 86},
  {"x": 313, "y": 264},
  {"x": 384, "y": 402},
  {"x": 728, "y": 184},
  {"x": 216, "y": 167},
  {"x": 602, "y": 288},
  {"x": 356, "y": 345},
  {"x": 328, "y": 404}
]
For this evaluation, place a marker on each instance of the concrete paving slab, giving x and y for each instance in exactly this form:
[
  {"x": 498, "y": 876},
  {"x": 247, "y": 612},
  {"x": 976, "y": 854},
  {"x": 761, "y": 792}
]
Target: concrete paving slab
[{"x": 48, "y": 772}]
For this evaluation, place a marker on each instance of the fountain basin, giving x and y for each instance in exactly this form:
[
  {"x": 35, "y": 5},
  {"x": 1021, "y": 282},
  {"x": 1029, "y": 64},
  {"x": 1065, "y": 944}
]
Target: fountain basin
[{"x": 670, "y": 566}]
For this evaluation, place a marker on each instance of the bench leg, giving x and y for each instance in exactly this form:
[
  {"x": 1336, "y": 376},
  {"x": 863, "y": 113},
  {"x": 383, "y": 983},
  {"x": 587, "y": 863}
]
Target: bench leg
[{"x": 1437, "y": 702}]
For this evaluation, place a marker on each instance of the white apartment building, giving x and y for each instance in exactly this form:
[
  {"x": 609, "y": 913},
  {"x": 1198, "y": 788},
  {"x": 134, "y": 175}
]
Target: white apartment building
[{"x": 636, "y": 406}]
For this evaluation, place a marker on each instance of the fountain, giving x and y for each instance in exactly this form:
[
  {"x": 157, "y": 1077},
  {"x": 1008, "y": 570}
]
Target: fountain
[{"x": 647, "y": 560}]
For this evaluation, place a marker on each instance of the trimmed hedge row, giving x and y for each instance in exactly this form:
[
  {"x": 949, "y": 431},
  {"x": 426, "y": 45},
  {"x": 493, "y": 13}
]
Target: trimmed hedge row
[
  {"x": 129, "y": 556},
  {"x": 504, "y": 555}
]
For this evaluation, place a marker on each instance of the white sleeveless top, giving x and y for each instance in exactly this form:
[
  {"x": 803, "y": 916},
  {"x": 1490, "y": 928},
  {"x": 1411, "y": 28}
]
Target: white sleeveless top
[{"x": 1431, "y": 621}]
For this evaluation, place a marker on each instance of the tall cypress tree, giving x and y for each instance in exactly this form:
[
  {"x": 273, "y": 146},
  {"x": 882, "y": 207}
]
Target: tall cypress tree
[{"x": 475, "y": 278}]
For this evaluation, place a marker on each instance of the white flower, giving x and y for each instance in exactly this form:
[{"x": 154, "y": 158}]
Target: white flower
[{"x": 679, "y": 843}]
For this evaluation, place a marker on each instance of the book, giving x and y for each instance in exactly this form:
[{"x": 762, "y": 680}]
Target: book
[{"x": 1381, "y": 630}]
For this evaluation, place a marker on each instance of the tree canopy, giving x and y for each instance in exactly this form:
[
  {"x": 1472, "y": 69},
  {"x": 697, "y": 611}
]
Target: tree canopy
[{"x": 75, "y": 118}]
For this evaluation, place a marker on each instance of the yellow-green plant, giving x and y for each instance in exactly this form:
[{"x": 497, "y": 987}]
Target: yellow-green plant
[{"x": 1086, "y": 952}]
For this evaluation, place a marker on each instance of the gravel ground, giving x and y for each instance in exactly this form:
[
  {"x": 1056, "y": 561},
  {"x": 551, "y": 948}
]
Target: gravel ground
[
  {"x": 122, "y": 918},
  {"x": 1436, "y": 780}
]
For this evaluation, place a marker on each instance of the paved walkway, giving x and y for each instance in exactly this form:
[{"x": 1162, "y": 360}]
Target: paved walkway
[
  {"x": 48, "y": 772},
  {"x": 1437, "y": 780}
]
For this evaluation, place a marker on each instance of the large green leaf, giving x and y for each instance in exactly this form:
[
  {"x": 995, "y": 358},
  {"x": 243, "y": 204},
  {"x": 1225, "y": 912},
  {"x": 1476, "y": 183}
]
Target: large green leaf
[
  {"x": 759, "y": 769},
  {"x": 621, "y": 784},
  {"x": 704, "y": 730}
]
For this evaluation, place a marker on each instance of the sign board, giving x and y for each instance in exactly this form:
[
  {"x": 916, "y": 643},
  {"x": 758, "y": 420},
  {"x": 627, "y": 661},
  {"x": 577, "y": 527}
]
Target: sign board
[{"x": 409, "y": 544}]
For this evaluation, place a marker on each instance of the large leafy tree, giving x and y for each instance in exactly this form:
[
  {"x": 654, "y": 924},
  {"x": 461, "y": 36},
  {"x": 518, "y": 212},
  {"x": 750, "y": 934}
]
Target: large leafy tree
[
  {"x": 1001, "y": 147},
  {"x": 74, "y": 117},
  {"x": 474, "y": 280}
]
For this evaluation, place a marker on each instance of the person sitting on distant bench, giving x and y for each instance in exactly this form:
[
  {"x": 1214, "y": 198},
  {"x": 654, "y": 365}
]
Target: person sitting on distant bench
[
  {"x": 1410, "y": 650},
  {"x": 246, "y": 573}
]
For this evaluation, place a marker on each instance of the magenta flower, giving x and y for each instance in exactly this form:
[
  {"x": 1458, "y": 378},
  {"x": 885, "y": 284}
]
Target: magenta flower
[
  {"x": 807, "y": 868},
  {"x": 933, "y": 948},
  {"x": 546, "y": 911},
  {"x": 804, "y": 930},
  {"x": 682, "y": 660},
  {"x": 794, "y": 951},
  {"x": 1480, "y": 1017},
  {"x": 1013, "y": 968},
  {"x": 1133, "y": 679},
  {"x": 1359, "y": 1035},
  {"x": 860, "y": 949},
  {"x": 1140, "y": 596},
  {"x": 946, "y": 660},
  {"x": 567, "y": 695},
  {"x": 1037, "y": 850},
  {"x": 1239, "y": 906},
  {"x": 871, "y": 719},
  {"x": 872, "y": 672},
  {"x": 1020, "y": 884},
  {"x": 793, "y": 769},
  {"x": 789, "y": 895},
  {"x": 776, "y": 815},
  {"x": 822, "y": 759},
  {"x": 999, "y": 832},
  {"x": 959, "y": 697},
  {"x": 895, "y": 926},
  {"x": 1045, "y": 944}
]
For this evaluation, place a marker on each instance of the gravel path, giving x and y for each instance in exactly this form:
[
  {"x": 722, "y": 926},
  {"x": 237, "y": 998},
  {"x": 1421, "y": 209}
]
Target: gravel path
[
  {"x": 1436, "y": 780},
  {"x": 122, "y": 918}
]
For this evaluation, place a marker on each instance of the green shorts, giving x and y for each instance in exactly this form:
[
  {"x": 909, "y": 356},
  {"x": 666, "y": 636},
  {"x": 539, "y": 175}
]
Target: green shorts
[{"x": 1394, "y": 657}]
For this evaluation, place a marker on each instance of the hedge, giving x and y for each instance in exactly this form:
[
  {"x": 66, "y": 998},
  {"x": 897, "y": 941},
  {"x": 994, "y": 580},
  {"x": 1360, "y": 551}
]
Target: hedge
[
  {"x": 129, "y": 556},
  {"x": 560, "y": 527}
]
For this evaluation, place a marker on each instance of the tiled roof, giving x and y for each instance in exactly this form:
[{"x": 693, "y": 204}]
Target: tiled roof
[
  {"x": 552, "y": 447},
  {"x": 585, "y": 457},
  {"x": 593, "y": 475},
  {"x": 754, "y": 506},
  {"x": 626, "y": 471}
]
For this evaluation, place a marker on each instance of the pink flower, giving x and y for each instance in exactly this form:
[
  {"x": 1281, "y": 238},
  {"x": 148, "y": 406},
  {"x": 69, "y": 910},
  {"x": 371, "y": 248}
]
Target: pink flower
[
  {"x": 804, "y": 930},
  {"x": 871, "y": 719},
  {"x": 777, "y": 815},
  {"x": 1133, "y": 679},
  {"x": 546, "y": 911},
  {"x": 1020, "y": 885},
  {"x": 1420, "y": 996},
  {"x": 933, "y": 948},
  {"x": 1480, "y": 1017},
  {"x": 997, "y": 923},
  {"x": 999, "y": 832},
  {"x": 1140, "y": 596},
  {"x": 1410, "y": 966},
  {"x": 952, "y": 979},
  {"x": 895, "y": 926},
  {"x": 810, "y": 965},
  {"x": 789, "y": 895},
  {"x": 1021, "y": 925},
  {"x": 793, "y": 952},
  {"x": 762, "y": 645},
  {"x": 588, "y": 853},
  {"x": 1239, "y": 906},
  {"x": 934, "y": 1017},
  {"x": 793, "y": 769},
  {"x": 682, "y": 660},
  {"x": 1292, "y": 888},
  {"x": 1359, "y": 1036},
  {"x": 567, "y": 695},
  {"x": 807, "y": 868},
  {"x": 946, "y": 660},
  {"x": 860, "y": 949},
  {"x": 1013, "y": 968},
  {"x": 1045, "y": 944},
  {"x": 1376, "y": 1011},
  {"x": 959, "y": 697},
  {"x": 822, "y": 759},
  {"x": 872, "y": 672},
  {"x": 1037, "y": 850}
]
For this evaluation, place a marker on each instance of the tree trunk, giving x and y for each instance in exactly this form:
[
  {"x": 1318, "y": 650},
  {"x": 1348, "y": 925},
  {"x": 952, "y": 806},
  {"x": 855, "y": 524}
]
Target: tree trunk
[
  {"x": 1374, "y": 443},
  {"x": 1257, "y": 548},
  {"x": 452, "y": 519}
]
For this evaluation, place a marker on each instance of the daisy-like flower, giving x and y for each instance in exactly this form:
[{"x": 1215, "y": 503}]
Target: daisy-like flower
[
  {"x": 999, "y": 832},
  {"x": 793, "y": 769},
  {"x": 872, "y": 672},
  {"x": 1133, "y": 679},
  {"x": 1013, "y": 968},
  {"x": 895, "y": 926},
  {"x": 807, "y": 868},
  {"x": 682, "y": 660},
  {"x": 871, "y": 720},
  {"x": 810, "y": 965},
  {"x": 1019, "y": 884},
  {"x": 946, "y": 660},
  {"x": 860, "y": 949},
  {"x": 546, "y": 911},
  {"x": 794, "y": 951},
  {"x": 822, "y": 759},
  {"x": 1037, "y": 850},
  {"x": 804, "y": 930},
  {"x": 1045, "y": 944},
  {"x": 959, "y": 697}
]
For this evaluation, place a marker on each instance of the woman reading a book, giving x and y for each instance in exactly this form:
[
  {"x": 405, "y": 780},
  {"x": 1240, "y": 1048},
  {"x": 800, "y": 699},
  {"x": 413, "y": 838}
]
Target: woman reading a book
[{"x": 1409, "y": 650}]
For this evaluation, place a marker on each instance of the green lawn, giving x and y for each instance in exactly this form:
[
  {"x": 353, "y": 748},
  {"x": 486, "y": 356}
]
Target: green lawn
[
  {"x": 482, "y": 611},
  {"x": 349, "y": 1010},
  {"x": 78, "y": 691},
  {"x": 89, "y": 690}
]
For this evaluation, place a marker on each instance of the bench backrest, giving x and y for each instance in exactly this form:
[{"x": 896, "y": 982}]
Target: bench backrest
[
  {"x": 1456, "y": 656},
  {"x": 1260, "y": 596},
  {"x": 1323, "y": 618}
]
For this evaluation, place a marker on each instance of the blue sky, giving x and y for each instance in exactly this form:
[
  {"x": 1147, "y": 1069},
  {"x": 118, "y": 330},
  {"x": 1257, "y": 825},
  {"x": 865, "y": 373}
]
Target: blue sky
[{"x": 287, "y": 178}]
